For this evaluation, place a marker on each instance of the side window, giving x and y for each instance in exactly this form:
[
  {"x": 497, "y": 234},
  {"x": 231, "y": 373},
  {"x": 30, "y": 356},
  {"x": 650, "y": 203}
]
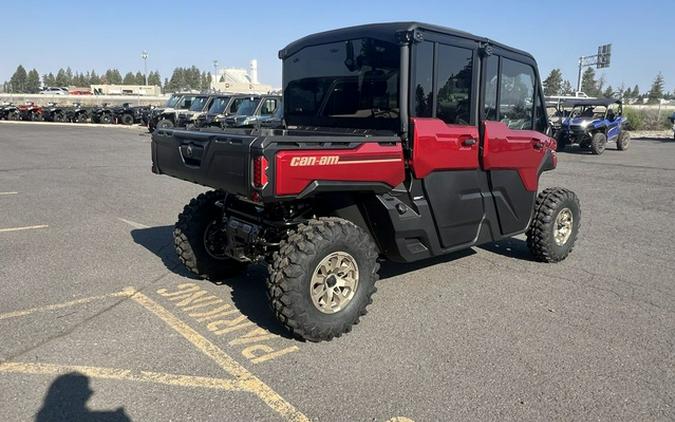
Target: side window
[
  {"x": 516, "y": 100},
  {"x": 491, "y": 79},
  {"x": 268, "y": 107},
  {"x": 424, "y": 71},
  {"x": 541, "y": 119},
  {"x": 453, "y": 95}
]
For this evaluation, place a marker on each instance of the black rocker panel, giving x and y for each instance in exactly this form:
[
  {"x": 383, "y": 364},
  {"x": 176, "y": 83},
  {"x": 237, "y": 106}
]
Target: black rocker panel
[
  {"x": 456, "y": 204},
  {"x": 514, "y": 203}
]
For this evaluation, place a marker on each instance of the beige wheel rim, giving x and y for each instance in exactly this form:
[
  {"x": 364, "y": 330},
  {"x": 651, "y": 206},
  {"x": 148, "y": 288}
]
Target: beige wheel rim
[
  {"x": 562, "y": 229},
  {"x": 334, "y": 282}
]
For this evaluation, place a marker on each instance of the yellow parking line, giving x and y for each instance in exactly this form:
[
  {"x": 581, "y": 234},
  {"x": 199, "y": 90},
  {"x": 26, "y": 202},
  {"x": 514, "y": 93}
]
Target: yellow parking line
[
  {"x": 121, "y": 374},
  {"x": 14, "y": 314},
  {"x": 16, "y": 229},
  {"x": 8, "y": 193},
  {"x": 246, "y": 379}
]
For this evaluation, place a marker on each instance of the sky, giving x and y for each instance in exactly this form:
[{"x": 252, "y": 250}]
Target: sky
[{"x": 89, "y": 35}]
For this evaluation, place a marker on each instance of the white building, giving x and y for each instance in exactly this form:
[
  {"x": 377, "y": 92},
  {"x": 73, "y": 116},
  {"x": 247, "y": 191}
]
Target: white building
[{"x": 232, "y": 79}]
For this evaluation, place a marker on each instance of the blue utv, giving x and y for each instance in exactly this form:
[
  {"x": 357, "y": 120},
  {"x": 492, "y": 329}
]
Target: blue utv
[{"x": 592, "y": 123}]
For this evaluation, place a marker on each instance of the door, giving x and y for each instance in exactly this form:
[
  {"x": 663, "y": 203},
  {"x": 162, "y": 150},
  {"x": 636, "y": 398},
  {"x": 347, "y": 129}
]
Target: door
[
  {"x": 513, "y": 144},
  {"x": 445, "y": 136}
]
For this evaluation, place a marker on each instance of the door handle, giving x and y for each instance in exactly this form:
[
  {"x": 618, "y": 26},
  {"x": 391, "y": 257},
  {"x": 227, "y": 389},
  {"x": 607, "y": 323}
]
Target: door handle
[
  {"x": 469, "y": 142},
  {"x": 537, "y": 145}
]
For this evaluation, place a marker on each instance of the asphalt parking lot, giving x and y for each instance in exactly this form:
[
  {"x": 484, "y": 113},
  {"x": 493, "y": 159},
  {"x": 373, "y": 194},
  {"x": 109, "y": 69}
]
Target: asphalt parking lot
[{"x": 99, "y": 320}]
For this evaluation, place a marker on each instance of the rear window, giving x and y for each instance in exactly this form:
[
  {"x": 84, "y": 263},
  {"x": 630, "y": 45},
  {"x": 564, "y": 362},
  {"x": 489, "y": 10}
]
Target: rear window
[{"x": 352, "y": 83}]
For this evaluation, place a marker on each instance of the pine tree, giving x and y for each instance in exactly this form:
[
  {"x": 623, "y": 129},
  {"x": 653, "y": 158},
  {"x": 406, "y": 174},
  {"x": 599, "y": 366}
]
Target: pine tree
[
  {"x": 69, "y": 77},
  {"x": 566, "y": 88},
  {"x": 140, "y": 79},
  {"x": 588, "y": 83},
  {"x": 656, "y": 91},
  {"x": 129, "y": 79},
  {"x": 609, "y": 92},
  {"x": 94, "y": 79},
  {"x": 33, "y": 82},
  {"x": 636, "y": 92},
  {"x": 154, "y": 79},
  {"x": 18, "y": 80},
  {"x": 553, "y": 83},
  {"x": 61, "y": 78}
]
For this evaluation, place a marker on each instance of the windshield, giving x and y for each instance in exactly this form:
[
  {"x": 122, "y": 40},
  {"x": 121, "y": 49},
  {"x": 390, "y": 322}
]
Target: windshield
[
  {"x": 218, "y": 105},
  {"x": 351, "y": 83},
  {"x": 185, "y": 102},
  {"x": 247, "y": 106},
  {"x": 589, "y": 112},
  {"x": 198, "y": 103},
  {"x": 172, "y": 101},
  {"x": 238, "y": 102}
]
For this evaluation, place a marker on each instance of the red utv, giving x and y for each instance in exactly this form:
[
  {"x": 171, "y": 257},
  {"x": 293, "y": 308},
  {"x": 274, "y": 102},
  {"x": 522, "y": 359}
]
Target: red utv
[
  {"x": 402, "y": 141},
  {"x": 30, "y": 111}
]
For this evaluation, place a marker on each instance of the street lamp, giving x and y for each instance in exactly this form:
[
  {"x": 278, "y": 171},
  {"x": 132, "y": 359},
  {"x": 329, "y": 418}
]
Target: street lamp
[
  {"x": 144, "y": 56},
  {"x": 215, "y": 74}
]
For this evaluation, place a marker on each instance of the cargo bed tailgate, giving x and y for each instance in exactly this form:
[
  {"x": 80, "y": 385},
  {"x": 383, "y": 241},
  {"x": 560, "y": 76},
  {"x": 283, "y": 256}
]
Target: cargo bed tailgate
[{"x": 218, "y": 160}]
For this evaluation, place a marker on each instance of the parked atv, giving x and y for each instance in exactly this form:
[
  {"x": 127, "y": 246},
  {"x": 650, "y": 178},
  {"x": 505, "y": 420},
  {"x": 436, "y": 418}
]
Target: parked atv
[
  {"x": 672, "y": 120},
  {"x": 366, "y": 171},
  {"x": 252, "y": 112},
  {"x": 78, "y": 113},
  {"x": 103, "y": 114},
  {"x": 30, "y": 111},
  {"x": 127, "y": 114},
  {"x": 9, "y": 111},
  {"x": 52, "y": 112},
  {"x": 592, "y": 123}
]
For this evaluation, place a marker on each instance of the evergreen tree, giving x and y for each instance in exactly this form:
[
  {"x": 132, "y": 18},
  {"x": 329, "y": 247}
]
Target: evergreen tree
[
  {"x": 33, "y": 82},
  {"x": 656, "y": 91},
  {"x": 140, "y": 78},
  {"x": 129, "y": 79},
  {"x": 636, "y": 92},
  {"x": 48, "y": 80},
  {"x": 609, "y": 92},
  {"x": 69, "y": 76},
  {"x": 18, "y": 80},
  {"x": 588, "y": 83},
  {"x": 61, "y": 78},
  {"x": 94, "y": 79},
  {"x": 553, "y": 83},
  {"x": 566, "y": 88},
  {"x": 154, "y": 79}
]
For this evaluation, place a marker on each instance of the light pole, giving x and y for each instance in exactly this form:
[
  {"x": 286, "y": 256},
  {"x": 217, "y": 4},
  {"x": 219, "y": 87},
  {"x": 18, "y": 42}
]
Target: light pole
[
  {"x": 215, "y": 74},
  {"x": 144, "y": 56}
]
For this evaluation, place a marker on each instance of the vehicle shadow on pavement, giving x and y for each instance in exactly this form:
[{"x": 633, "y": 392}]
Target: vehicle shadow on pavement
[
  {"x": 66, "y": 400},
  {"x": 389, "y": 269},
  {"x": 248, "y": 289},
  {"x": 159, "y": 240},
  {"x": 510, "y": 248}
]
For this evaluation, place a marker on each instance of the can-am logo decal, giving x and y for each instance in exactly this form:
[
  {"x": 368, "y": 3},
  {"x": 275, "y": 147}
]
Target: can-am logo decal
[
  {"x": 329, "y": 160},
  {"x": 324, "y": 160}
]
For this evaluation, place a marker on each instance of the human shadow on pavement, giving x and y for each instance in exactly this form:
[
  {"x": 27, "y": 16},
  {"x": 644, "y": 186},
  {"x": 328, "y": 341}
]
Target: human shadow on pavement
[{"x": 66, "y": 400}]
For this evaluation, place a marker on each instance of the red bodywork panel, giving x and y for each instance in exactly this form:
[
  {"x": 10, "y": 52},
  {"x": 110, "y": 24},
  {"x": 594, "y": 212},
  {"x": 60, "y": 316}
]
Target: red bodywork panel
[
  {"x": 440, "y": 146},
  {"x": 369, "y": 162},
  {"x": 521, "y": 150}
]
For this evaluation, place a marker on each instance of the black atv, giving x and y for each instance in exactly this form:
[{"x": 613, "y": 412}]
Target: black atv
[
  {"x": 103, "y": 114},
  {"x": 78, "y": 113},
  {"x": 52, "y": 112},
  {"x": 127, "y": 114}
]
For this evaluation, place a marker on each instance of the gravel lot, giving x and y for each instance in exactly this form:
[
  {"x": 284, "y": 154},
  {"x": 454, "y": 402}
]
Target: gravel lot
[{"x": 98, "y": 318}]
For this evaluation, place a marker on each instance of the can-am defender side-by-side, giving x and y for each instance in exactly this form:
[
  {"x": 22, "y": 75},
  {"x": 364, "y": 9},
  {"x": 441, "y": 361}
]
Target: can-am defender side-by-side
[
  {"x": 165, "y": 117},
  {"x": 592, "y": 123},
  {"x": 402, "y": 141}
]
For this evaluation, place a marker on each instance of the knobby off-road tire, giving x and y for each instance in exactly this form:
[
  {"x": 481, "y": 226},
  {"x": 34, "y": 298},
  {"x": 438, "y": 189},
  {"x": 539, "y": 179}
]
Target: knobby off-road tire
[
  {"x": 127, "y": 119},
  {"x": 623, "y": 141},
  {"x": 165, "y": 124},
  {"x": 301, "y": 258},
  {"x": 190, "y": 239},
  {"x": 561, "y": 143},
  {"x": 598, "y": 143},
  {"x": 81, "y": 118},
  {"x": 106, "y": 118},
  {"x": 555, "y": 209}
]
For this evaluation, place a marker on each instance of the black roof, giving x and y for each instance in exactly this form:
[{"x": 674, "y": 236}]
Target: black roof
[
  {"x": 571, "y": 102},
  {"x": 383, "y": 31}
]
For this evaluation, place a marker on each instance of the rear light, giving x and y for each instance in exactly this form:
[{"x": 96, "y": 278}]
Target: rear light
[{"x": 260, "y": 166}]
